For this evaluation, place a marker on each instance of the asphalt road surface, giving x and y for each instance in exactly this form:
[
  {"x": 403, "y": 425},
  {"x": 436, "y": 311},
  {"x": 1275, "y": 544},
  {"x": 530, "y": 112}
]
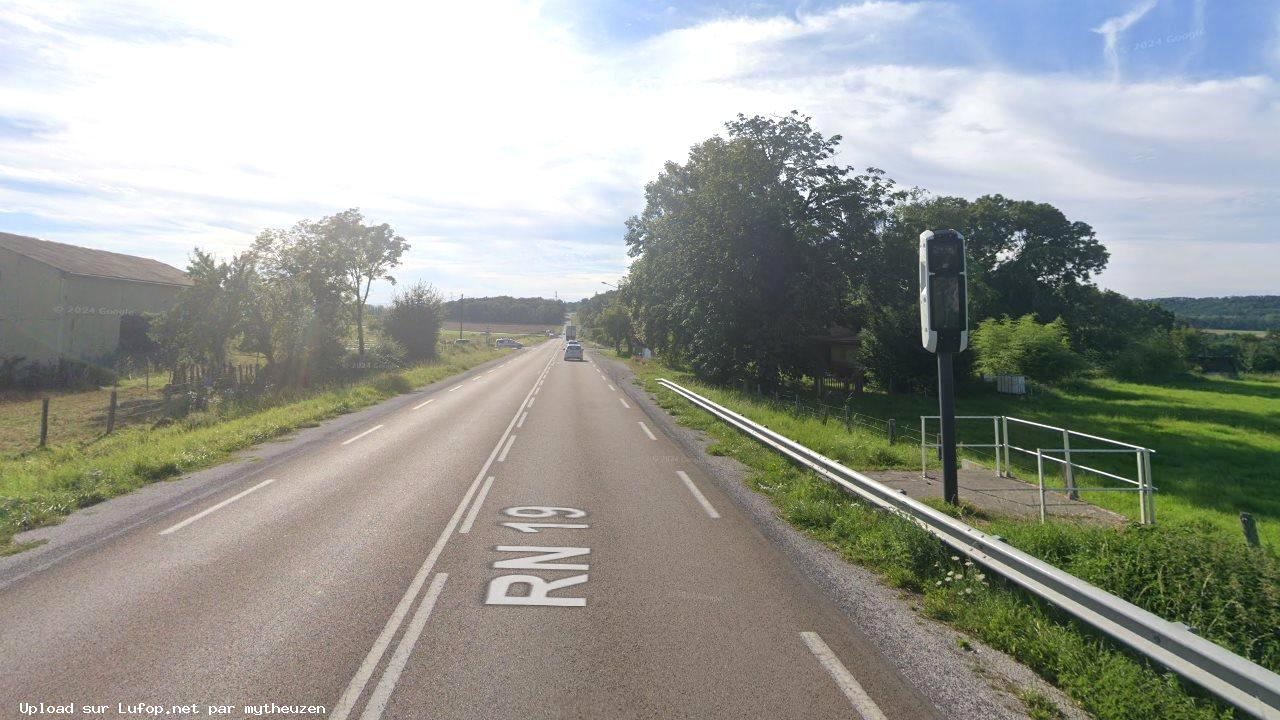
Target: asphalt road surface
[{"x": 523, "y": 543}]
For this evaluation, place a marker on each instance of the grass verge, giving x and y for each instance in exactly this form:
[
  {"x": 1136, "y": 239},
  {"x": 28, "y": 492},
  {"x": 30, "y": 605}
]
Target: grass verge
[
  {"x": 1181, "y": 571},
  {"x": 41, "y": 487}
]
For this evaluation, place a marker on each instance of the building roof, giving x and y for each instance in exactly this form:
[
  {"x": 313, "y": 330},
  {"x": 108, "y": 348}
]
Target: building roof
[{"x": 88, "y": 262}]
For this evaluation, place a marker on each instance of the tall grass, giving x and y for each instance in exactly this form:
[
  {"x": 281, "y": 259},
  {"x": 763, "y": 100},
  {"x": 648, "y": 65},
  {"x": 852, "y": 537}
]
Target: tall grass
[
  {"x": 40, "y": 487},
  {"x": 1181, "y": 571}
]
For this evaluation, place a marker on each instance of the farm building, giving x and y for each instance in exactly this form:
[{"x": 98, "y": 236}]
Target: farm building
[{"x": 64, "y": 301}]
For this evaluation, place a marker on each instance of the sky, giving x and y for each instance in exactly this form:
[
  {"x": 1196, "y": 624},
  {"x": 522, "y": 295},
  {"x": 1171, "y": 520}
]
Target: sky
[{"x": 509, "y": 141}]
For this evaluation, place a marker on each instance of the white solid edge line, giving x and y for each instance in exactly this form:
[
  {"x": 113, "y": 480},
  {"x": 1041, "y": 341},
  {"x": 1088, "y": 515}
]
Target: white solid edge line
[
  {"x": 352, "y": 694},
  {"x": 219, "y": 506},
  {"x": 702, "y": 499},
  {"x": 507, "y": 449},
  {"x": 348, "y": 441},
  {"x": 858, "y": 697},
  {"x": 646, "y": 430},
  {"x": 522, "y": 419},
  {"x": 419, "y": 406},
  {"x": 475, "y": 506},
  {"x": 624, "y": 403},
  {"x": 387, "y": 684}
]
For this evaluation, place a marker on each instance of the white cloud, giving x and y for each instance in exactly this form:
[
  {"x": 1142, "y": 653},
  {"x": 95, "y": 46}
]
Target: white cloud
[
  {"x": 509, "y": 151},
  {"x": 1112, "y": 28}
]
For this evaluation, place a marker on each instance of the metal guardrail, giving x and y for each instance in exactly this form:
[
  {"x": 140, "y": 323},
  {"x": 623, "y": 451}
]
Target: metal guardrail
[{"x": 1234, "y": 679}]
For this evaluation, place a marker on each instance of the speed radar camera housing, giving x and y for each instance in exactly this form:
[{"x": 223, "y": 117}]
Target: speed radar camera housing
[{"x": 944, "y": 300}]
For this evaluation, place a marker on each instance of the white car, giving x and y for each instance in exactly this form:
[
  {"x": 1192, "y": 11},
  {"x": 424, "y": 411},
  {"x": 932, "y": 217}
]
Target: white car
[{"x": 573, "y": 351}]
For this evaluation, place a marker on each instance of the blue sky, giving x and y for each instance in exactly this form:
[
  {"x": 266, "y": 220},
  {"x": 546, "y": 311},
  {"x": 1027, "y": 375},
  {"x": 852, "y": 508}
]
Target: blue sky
[{"x": 509, "y": 141}]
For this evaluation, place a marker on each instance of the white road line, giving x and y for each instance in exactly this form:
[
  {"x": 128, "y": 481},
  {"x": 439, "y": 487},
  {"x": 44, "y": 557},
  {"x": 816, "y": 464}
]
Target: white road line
[
  {"x": 477, "y": 378},
  {"x": 611, "y": 387},
  {"x": 698, "y": 494},
  {"x": 455, "y": 387},
  {"x": 507, "y": 449},
  {"x": 352, "y": 694},
  {"x": 531, "y": 399},
  {"x": 348, "y": 441},
  {"x": 858, "y": 697},
  {"x": 624, "y": 403},
  {"x": 219, "y": 506},
  {"x": 419, "y": 406},
  {"x": 387, "y": 684},
  {"x": 647, "y": 431},
  {"x": 475, "y": 507},
  {"x": 522, "y": 419}
]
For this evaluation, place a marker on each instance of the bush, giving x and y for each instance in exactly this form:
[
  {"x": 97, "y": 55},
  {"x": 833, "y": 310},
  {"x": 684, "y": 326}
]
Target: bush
[
  {"x": 1154, "y": 357},
  {"x": 413, "y": 321},
  {"x": 1025, "y": 347}
]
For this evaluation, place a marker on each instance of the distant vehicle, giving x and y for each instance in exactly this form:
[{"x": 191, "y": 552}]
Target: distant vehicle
[
  {"x": 462, "y": 341},
  {"x": 508, "y": 343},
  {"x": 570, "y": 332},
  {"x": 573, "y": 351}
]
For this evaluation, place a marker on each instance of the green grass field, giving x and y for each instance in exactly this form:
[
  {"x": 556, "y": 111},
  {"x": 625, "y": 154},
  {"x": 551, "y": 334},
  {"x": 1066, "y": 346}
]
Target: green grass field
[{"x": 1180, "y": 569}]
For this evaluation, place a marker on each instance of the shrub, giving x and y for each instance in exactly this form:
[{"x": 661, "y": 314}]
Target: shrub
[
  {"x": 1025, "y": 347},
  {"x": 1154, "y": 357},
  {"x": 413, "y": 320}
]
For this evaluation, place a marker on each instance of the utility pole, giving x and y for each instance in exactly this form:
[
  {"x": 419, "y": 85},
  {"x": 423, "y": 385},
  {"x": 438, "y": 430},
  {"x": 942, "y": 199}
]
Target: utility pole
[{"x": 461, "y": 304}]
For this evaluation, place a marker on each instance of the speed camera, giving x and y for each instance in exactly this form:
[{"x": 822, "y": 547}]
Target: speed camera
[{"x": 944, "y": 302}]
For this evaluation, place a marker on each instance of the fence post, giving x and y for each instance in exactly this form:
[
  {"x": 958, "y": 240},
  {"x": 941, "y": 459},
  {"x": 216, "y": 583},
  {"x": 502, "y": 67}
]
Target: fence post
[
  {"x": 797, "y": 403},
  {"x": 995, "y": 427},
  {"x": 847, "y": 426},
  {"x": 824, "y": 413},
  {"x": 1250, "y": 529},
  {"x": 924, "y": 459},
  {"x": 893, "y": 430},
  {"x": 1040, "y": 476},
  {"x": 44, "y": 421},
  {"x": 111, "y": 413},
  {"x": 1151, "y": 497},
  {"x": 1004, "y": 428},
  {"x": 1068, "y": 473}
]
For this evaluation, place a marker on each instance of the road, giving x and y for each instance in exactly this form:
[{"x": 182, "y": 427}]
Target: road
[{"x": 523, "y": 543}]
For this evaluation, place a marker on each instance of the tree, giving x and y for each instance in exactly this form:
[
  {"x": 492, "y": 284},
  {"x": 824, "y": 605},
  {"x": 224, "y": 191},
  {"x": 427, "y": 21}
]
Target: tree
[
  {"x": 742, "y": 252},
  {"x": 1025, "y": 347},
  {"x": 365, "y": 253},
  {"x": 208, "y": 314},
  {"x": 413, "y": 320},
  {"x": 614, "y": 326}
]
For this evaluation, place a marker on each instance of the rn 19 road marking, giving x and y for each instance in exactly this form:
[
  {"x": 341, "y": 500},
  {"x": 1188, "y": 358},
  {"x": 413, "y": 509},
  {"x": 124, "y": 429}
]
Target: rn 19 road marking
[
  {"x": 348, "y": 441},
  {"x": 507, "y": 449},
  {"x": 219, "y": 506},
  {"x": 382, "y": 693},
  {"x": 419, "y": 406},
  {"x": 646, "y": 430},
  {"x": 702, "y": 499},
  {"x": 858, "y": 697}
]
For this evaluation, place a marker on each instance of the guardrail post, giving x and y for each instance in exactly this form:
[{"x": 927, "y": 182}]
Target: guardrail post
[
  {"x": 1004, "y": 427},
  {"x": 1068, "y": 471},
  {"x": 893, "y": 430},
  {"x": 1040, "y": 477},
  {"x": 44, "y": 421},
  {"x": 111, "y": 413}
]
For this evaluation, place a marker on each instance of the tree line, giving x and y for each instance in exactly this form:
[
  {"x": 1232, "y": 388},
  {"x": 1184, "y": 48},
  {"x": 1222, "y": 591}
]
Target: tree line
[
  {"x": 506, "y": 309},
  {"x": 1241, "y": 312},
  {"x": 296, "y": 297},
  {"x": 748, "y": 253}
]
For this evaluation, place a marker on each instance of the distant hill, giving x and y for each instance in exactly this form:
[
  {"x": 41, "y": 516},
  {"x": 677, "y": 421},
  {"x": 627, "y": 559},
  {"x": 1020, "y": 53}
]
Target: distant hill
[
  {"x": 1240, "y": 312},
  {"x": 507, "y": 309}
]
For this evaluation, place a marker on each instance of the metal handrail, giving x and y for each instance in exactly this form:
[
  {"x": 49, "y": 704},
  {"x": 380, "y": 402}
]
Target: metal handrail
[{"x": 1235, "y": 680}]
